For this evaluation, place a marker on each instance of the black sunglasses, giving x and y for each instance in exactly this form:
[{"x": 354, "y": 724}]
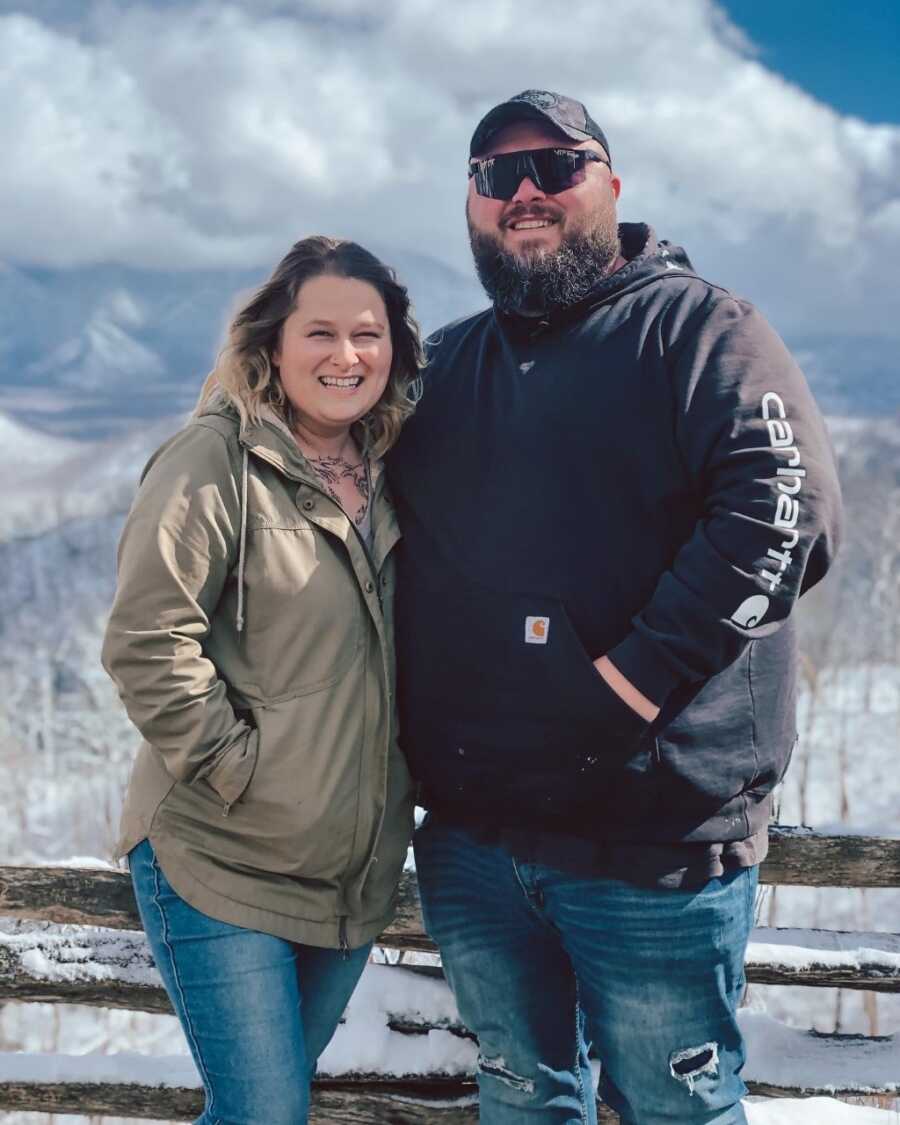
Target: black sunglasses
[{"x": 551, "y": 170}]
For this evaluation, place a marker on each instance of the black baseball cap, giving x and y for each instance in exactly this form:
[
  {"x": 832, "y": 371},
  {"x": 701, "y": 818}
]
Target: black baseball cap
[{"x": 563, "y": 113}]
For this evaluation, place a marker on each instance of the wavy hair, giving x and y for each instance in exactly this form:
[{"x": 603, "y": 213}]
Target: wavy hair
[{"x": 247, "y": 376}]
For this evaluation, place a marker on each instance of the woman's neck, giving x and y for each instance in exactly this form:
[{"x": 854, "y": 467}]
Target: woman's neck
[{"x": 335, "y": 444}]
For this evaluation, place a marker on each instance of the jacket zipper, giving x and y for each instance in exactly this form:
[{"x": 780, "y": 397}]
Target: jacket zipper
[{"x": 343, "y": 941}]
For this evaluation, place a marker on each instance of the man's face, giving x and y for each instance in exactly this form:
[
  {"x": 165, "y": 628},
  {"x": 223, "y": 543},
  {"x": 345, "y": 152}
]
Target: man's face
[{"x": 536, "y": 249}]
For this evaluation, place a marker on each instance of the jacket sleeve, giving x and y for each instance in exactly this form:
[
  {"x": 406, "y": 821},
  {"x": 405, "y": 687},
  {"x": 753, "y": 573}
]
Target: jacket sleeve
[
  {"x": 755, "y": 447},
  {"x": 177, "y": 549}
]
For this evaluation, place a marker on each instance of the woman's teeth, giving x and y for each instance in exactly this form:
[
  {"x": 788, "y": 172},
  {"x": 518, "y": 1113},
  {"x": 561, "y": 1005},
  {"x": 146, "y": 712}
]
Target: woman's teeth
[{"x": 340, "y": 381}]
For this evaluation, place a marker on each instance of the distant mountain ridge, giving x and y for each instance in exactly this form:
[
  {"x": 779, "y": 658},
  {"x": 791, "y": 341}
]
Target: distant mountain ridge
[
  {"x": 87, "y": 353},
  {"x": 92, "y": 352}
]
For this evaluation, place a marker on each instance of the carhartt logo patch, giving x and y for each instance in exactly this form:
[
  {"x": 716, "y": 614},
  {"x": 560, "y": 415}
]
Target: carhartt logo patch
[{"x": 537, "y": 630}]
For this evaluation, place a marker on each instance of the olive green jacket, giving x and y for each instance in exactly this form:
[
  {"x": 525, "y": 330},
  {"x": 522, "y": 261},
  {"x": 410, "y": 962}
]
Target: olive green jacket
[{"x": 251, "y": 643}]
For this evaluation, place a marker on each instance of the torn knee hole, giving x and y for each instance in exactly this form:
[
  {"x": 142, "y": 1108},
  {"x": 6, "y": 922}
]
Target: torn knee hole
[
  {"x": 689, "y": 1064},
  {"x": 497, "y": 1068}
]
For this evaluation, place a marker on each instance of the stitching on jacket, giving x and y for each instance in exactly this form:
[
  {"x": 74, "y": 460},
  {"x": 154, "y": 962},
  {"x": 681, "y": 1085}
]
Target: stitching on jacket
[
  {"x": 357, "y": 815},
  {"x": 754, "y": 740},
  {"x": 753, "y": 734},
  {"x": 260, "y": 523},
  {"x": 309, "y": 689}
]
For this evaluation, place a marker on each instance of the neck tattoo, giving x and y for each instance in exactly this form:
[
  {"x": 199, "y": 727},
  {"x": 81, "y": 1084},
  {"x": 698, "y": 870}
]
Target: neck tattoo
[{"x": 331, "y": 470}]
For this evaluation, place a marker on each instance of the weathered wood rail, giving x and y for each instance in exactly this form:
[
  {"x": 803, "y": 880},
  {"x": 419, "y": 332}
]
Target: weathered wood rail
[{"x": 72, "y": 936}]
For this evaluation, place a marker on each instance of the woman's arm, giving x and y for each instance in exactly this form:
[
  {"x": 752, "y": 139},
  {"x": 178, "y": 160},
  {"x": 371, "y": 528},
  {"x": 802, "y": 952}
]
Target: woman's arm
[{"x": 176, "y": 552}]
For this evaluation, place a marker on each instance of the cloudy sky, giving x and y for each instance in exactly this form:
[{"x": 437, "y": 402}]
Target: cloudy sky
[{"x": 182, "y": 134}]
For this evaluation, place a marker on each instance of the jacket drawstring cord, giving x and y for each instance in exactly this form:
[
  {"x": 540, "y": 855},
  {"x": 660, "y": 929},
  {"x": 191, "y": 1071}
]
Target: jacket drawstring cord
[{"x": 239, "y": 622}]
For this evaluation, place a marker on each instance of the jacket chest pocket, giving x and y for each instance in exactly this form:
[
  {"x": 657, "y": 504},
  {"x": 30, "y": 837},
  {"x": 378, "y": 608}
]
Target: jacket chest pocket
[{"x": 303, "y": 613}]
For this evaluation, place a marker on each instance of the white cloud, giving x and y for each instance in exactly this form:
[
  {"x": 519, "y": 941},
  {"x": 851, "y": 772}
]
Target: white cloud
[{"x": 205, "y": 133}]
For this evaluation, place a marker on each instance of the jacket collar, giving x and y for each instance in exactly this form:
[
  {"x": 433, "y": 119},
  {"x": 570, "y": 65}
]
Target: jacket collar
[{"x": 271, "y": 440}]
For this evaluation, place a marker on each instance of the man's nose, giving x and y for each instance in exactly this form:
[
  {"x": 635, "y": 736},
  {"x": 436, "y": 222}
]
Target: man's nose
[{"x": 527, "y": 192}]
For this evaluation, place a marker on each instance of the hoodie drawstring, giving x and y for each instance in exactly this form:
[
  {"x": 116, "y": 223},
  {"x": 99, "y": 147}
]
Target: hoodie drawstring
[{"x": 242, "y": 544}]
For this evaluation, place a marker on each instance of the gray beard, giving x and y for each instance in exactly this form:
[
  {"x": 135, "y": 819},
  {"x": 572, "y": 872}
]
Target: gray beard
[{"x": 542, "y": 282}]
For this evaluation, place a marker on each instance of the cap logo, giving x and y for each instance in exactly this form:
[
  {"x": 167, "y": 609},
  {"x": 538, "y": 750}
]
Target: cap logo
[{"x": 540, "y": 99}]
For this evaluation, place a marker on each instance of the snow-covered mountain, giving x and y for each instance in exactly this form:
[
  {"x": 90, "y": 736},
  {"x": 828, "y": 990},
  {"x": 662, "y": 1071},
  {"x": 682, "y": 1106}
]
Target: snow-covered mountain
[
  {"x": 56, "y": 480},
  {"x": 25, "y": 450},
  {"x": 95, "y": 351}
]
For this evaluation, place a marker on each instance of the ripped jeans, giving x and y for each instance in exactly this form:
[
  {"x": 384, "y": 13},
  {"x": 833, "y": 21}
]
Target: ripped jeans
[{"x": 542, "y": 963}]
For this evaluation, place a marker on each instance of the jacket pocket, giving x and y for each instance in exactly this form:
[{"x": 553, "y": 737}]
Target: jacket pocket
[
  {"x": 509, "y": 671},
  {"x": 298, "y": 815},
  {"x": 232, "y": 773},
  {"x": 539, "y": 728},
  {"x": 554, "y": 675},
  {"x": 708, "y": 752}
]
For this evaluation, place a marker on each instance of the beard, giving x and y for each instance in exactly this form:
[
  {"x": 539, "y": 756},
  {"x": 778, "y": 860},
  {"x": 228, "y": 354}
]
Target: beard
[{"x": 539, "y": 280}]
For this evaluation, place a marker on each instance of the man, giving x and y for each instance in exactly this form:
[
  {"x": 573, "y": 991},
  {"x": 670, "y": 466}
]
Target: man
[{"x": 614, "y": 489}]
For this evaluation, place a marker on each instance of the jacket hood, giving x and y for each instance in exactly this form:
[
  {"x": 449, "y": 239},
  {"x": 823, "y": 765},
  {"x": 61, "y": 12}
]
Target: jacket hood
[
  {"x": 272, "y": 440},
  {"x": 648, "y": 259},
  {"x": 269, "y": 438}
]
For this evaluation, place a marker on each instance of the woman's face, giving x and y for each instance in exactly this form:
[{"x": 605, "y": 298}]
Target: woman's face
[{"x": 334, "y": 354}]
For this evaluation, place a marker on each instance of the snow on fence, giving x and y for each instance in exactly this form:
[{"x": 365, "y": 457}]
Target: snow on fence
[{"x": 401, "y": 1054}]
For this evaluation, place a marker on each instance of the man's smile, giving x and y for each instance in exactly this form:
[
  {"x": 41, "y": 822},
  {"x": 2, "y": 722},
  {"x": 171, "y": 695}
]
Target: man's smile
[{"x": 529, "y": 222}]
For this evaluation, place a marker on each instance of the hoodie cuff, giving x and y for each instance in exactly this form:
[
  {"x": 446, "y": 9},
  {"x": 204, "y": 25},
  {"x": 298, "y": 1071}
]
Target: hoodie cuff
[{"x": 640, "y": 662}]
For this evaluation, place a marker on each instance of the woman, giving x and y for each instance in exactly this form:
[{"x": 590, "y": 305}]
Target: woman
[{"x": 269, "y": 809}]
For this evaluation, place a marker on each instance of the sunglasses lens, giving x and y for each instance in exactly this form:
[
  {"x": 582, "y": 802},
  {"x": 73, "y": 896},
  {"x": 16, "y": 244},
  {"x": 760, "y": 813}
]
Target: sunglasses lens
[
  {"x": 557, "y": 170},
  {"x": 550, "y": 170},
  {"x": 500, "y": 177}
]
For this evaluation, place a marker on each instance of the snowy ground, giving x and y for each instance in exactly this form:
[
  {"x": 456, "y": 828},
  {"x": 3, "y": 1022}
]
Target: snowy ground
[
  {"x": 61, "y": 784},
  {"x": 365, "y": 1045}
]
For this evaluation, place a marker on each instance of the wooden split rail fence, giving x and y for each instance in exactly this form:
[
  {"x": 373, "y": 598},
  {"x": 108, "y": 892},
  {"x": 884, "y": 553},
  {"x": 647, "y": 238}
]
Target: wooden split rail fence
[{"x": 73, "y": 937}]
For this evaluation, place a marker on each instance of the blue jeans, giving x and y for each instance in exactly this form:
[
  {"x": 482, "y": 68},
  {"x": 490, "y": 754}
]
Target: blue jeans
[
  {"x": 542, "y": 962},
  {"x": 257, "y": 1011}
]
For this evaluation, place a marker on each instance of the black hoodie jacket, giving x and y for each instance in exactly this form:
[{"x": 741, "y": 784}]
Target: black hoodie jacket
[{"x": 644, "y": 475}]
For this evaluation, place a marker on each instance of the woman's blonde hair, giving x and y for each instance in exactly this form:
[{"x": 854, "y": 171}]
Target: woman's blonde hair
[{"x": 246, "y": 375}]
